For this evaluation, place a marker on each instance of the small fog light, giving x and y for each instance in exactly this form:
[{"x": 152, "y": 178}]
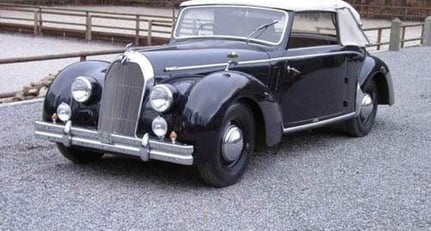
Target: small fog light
[
  {"x": 64, "y": 112},
  {"x": 160, "y": 127}
]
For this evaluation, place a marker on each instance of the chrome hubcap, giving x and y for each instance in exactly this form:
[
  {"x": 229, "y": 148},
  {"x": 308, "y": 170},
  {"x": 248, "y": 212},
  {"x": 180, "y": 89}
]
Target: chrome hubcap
[
  {"x": 233, "y": 143},
  {"x": 367, "y": 107}
]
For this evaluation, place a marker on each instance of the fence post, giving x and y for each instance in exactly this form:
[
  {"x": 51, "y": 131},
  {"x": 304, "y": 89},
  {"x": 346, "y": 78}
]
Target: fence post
[
  {"x": 36, "y": 23},
  {"x": 138, "y": 28},
  {"x": 403, "y": 35},
  {"x": 88, "y": 27},
  {"x": 40, "y": 21},
  {"x": 427, "y": 32},
  {"x": 379, "y": 38},
  {"x": 174, "y": 16},
  {"x": 395, "y": 39},
  {"x": 150, "y": 31}
]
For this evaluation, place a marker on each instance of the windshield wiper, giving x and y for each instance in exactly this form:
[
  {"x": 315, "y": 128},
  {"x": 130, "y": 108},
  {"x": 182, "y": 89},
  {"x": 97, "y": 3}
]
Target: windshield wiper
[{"x": 259, "y": 28}]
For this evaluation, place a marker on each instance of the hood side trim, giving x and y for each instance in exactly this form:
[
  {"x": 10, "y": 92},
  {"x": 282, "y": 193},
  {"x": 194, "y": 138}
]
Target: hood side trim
[{"x": 171, "y": 69}]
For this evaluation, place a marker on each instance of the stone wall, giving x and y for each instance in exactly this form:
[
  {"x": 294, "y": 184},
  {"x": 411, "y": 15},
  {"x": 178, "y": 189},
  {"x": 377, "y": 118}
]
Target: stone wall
[
  {"x": 403, "y": 9},
  {"x": 414, "y": 3}
]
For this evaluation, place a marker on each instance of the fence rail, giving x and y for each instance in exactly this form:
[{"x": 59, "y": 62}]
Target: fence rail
[
  {"x": 81, "y": 55},
  {"x": 403, "y": 38}
]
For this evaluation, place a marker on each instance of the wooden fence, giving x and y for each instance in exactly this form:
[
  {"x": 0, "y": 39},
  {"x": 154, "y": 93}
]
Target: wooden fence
[
  {"x": 403, "y": 40},
  {"x": 143, "y": 29}
]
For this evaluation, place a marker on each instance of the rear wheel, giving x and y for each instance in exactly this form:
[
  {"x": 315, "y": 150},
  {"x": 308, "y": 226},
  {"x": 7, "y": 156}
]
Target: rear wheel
[
  {"x": 79, "y": 156},
  {"x": 361, "y": 125},
  {"x": 236, "y": 144}
]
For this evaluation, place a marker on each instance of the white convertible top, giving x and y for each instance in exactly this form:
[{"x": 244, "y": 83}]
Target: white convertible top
[{"x": 291, "y": 5}]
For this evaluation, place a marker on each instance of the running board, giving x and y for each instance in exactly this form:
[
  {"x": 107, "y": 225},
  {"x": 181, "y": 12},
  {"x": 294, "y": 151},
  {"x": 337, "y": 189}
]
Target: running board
[{"x": 318, "y": 124}]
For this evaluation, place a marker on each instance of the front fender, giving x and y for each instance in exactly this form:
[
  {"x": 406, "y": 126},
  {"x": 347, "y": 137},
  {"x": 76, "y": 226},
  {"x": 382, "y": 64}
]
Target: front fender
[
  {"x": 59, "y": 92},
  {"x": 210, "y": 98}
]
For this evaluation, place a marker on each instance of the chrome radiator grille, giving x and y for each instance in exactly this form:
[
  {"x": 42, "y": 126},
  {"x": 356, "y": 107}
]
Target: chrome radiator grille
[{"x": 121, "y": 100}]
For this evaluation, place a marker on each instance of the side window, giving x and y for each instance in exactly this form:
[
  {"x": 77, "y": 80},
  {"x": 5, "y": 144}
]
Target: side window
[{"x": 314, "y": 29}]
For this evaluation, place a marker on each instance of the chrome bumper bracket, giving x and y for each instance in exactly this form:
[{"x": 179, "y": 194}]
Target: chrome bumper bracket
[
  {"x": 67, "y": 136},
  {"x": 145, "y": 148}
]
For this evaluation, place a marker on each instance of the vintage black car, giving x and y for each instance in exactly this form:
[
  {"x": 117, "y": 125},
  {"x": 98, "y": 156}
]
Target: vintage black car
[{"x": 235, "y": 77}]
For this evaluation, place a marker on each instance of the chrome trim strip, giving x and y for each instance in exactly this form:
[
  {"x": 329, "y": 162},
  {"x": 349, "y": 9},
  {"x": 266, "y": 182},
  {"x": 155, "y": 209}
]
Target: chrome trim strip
[
  {"x": 234, "y": 37},
  {"x": 153, "y": 149},
  {"x": 314, "y": 47},
  {"x": 170, "y": 69},
  {"x": 318, "y": 124}
]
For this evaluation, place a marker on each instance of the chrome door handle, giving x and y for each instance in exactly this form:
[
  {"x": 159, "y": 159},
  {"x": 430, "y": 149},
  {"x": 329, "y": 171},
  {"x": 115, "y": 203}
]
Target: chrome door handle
[{"x": 290, "y": 69}]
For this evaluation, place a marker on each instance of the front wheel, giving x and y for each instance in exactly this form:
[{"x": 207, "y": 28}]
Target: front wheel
[
  {"x": 79, "y": 156},
  {"x": 235, "y": 148},
  {"x": 362, "y": 124}
]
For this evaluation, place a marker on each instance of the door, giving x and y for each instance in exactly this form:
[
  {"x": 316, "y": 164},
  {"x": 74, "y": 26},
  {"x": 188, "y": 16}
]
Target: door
[{"x": 315, "y": 81}]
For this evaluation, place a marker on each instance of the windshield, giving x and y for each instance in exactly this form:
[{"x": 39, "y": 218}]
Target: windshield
[{"x": 232, "y": 22}]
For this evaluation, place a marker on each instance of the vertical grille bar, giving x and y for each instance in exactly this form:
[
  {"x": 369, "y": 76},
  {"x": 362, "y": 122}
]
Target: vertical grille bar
[{"x": 121, "y": 99}]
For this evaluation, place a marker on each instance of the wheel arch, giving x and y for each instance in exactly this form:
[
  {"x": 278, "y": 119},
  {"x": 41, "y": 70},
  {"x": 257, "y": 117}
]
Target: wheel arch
[
  {"x": 374, "y": 69},
  {"x": 382, "y": 88},
  {"x": 260, "y": 128},
  {"x": 201, "y": 118}
]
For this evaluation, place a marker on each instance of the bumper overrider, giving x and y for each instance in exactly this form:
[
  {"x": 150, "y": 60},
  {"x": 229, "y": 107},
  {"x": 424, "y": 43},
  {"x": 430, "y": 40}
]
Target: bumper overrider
[{"x": 145, "y": 148}]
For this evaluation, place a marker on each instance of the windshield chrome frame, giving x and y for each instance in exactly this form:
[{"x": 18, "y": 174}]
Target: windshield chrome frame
[{"x": 232, "y": 37}]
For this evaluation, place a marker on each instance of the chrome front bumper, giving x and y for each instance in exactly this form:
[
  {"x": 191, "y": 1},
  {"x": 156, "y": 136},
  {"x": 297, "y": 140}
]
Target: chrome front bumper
[{"x": 145, "y": 148}]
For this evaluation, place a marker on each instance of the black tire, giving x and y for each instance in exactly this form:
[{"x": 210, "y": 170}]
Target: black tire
[
  {"x": 79, "y": 156},
  {"x": 217, "y": 171},
  {"x": 358, "y": 126}
]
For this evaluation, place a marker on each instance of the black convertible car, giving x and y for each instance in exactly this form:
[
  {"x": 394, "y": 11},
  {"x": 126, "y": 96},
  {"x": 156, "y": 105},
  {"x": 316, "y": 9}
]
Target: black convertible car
[{"x": 235, "y": 77}]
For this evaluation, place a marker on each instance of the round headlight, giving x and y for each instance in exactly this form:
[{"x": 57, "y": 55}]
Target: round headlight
[
  {"x": 81, "y": 89},
  {"x": 161, "y": 98},
  {"x": 160, "y": 127},
  {"x": 64, "y": 112}
]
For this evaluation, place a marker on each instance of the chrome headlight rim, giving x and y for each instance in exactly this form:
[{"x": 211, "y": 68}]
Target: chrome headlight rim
[
  {"x": 88, "y": 88},
  {"x": 169, "y": 95}
]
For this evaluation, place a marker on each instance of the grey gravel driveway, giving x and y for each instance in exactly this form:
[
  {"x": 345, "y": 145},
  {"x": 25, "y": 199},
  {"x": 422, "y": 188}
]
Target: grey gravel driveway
[{"x": 319, "y": 180}]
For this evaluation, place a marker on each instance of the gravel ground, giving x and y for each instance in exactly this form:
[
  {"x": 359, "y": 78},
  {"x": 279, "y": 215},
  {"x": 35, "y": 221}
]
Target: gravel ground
[
  {"x": 14, "y": 76},
  {"x": 320, "y": 180}
]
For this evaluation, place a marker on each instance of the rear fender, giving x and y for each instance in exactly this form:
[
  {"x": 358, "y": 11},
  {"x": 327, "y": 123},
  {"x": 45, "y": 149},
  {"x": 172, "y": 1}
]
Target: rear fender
[{"x": 375, "y": 69}]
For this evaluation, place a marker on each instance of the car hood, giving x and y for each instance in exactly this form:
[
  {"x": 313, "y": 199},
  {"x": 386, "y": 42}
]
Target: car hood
[{"x": 200, "y": 53}]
